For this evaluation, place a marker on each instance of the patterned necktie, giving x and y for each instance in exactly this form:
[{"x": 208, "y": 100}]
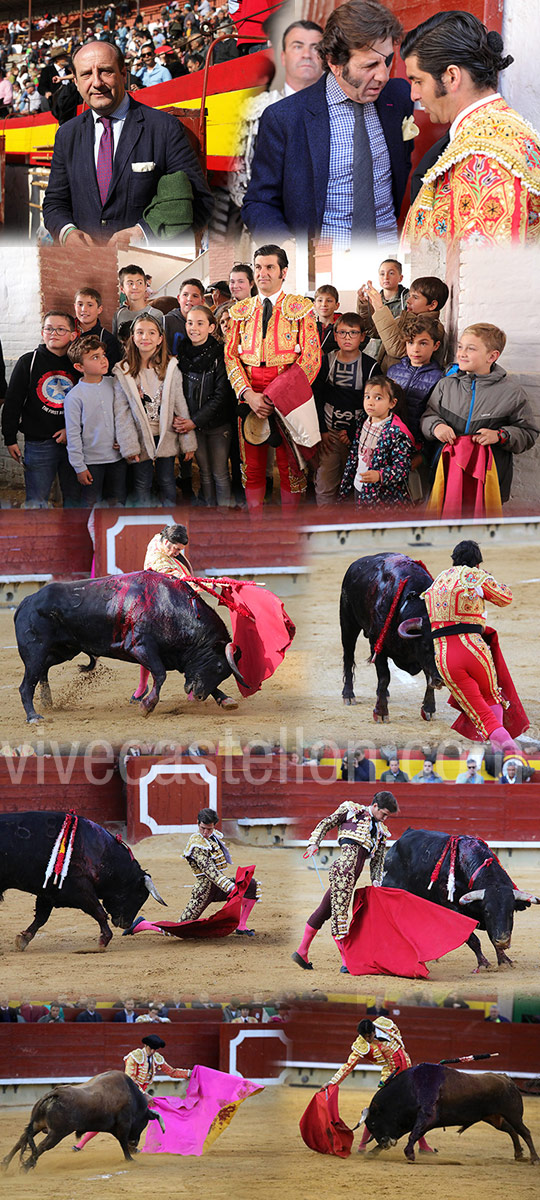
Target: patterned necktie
[
  {"x": 363, "y": 215},
  {"x": 267, "y": 313},
  {"x": 104, "y": 167}
]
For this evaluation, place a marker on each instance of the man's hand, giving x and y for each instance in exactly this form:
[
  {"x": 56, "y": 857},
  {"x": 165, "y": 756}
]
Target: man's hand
[
  {"x": 311, "y": 850},
  {"x": 342, "y": 436},
  {"x": 60, "y": 437},
  {"x": 444, "y": 433},
  {"x": 486, "y": 437},
  {"x": 15, "y": 452},
  {"x": 189, "y": 454},
  {"x": 85, "y": 477},
  {"x": 259, "y": 404},
  {"x": 132, "y": 458},
  {"x": 183, "y": 424},
  {"x": 77, "y": 237},
  {"x": 123, "y": 238}
]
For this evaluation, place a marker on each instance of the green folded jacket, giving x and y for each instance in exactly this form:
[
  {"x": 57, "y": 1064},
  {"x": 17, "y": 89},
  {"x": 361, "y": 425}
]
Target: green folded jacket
[{"x": 171, "y": 211}]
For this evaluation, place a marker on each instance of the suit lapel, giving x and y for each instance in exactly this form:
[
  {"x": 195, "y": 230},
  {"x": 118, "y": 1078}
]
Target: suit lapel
[{"x": 317, "y": 127}]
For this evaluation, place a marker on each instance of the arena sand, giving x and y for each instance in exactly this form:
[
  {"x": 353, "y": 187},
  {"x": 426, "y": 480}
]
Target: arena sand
[
  {"x": 305, "y": 692},
  {"x": 261, "y": 1156},
  {"x": 66, "y": 951}
]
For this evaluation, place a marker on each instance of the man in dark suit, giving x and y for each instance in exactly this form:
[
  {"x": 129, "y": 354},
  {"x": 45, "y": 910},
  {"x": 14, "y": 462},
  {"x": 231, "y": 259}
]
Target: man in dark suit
[
  {"x": 107, "y": 163},
  {"x": 90, "y": 1014},
  {"x": 333, "y": 160}
]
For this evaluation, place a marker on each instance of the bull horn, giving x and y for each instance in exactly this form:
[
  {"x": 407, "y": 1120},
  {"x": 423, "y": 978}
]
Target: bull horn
[
  {"x": 149, "y": 883},
  {"x": 470, "y": 897},
  {"x": 229, "y": 655},
  {"x": 406, "y": 628},
  {"x": 526, "y": 896}
]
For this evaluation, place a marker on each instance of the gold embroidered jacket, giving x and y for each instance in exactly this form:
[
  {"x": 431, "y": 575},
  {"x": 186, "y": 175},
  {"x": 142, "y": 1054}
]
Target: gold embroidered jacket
[
  {"x": 291, "y": 337},
  {"x": 355, "y": 822},
  {"x": 142, "y": 1067},
  {"x": 459, "y": 594},
  {"x": 485, "y": 186},
  {"x": 207, "y": 859},
  {"x": 157, "y": 558},
  {"x": 382, "y": 1051}
]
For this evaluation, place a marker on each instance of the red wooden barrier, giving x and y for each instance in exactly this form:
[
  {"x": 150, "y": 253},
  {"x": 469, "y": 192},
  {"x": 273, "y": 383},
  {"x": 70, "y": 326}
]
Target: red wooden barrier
[
  {"x": 255, "y": 1051},
  {"x": 89, "y": 784},
  {"x": 59, "y": 1052},
  {"x": 165, "y": 795},
  {"x": 430, "y": 1034}
]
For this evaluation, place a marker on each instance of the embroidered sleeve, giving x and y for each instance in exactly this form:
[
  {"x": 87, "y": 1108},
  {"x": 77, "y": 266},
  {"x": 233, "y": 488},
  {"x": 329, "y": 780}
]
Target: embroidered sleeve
[
  {"x": 174, "y": 1072},
  {"x": 496, "y": 593},
  {"x": 237, "y": 376},
  {"x": 359, "y": 1049},
  {"x": 335, "y": 819}
]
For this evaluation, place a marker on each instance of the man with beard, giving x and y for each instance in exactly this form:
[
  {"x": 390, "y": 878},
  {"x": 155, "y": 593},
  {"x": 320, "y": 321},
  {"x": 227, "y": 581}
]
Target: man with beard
[
  {"x": 333, "y": 160},
  {"x": 481, "y": 181}
]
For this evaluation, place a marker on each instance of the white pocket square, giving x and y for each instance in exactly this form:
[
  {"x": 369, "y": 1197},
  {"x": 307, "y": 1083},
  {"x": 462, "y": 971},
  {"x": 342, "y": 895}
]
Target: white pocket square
[{"x": 140, "y": 167}]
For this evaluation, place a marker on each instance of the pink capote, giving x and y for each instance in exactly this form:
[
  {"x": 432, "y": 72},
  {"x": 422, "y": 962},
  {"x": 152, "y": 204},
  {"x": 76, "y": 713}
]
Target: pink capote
[
  {"x": 192, "y": 1122},
  {"x": 222, "y": 922},
  {"x": 321, "y": 1126},
  {"x": 393, "y": 932}
]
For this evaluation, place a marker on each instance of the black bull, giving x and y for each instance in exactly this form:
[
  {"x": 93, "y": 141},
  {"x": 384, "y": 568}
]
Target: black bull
[
  {"x": 430, "y": 1096},
  {"x": 145, "y": 618},
  {"x": 108, "y": 1103},
  {"x": 101, "y": 869},
  {"x": 483, "y": 889},
  {"x": 368, "y": 590}
]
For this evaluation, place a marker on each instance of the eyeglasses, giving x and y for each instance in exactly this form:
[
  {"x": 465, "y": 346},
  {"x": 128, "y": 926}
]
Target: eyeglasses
[
  {"x": 348, "y": 333},
  {"x": 51, "y": 329}
]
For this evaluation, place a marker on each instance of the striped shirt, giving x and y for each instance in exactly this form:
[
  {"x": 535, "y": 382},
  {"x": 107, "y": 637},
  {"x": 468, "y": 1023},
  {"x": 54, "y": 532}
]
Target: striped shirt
[{"x": 338, "y": 212}]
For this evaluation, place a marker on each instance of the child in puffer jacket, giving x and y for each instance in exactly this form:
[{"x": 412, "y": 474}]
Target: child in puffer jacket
[{"x": 211, "y": 404}]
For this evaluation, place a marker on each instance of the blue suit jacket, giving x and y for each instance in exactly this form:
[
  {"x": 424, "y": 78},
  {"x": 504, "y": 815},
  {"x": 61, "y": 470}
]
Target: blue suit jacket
[
  {"x": 148, "y": 135},
  {"x": 289, "y": 179}
]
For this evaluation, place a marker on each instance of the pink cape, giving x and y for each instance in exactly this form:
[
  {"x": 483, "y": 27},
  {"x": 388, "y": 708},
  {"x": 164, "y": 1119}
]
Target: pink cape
[
  {"x": 222, "y": 922},
  {"x": 262, "y": 630},
  {"x": 192, "y": 1122},
  {"x": 393, "y": 932},
  {"x": 515, "y": 719},
  {"x": 321, "y": 1126}
]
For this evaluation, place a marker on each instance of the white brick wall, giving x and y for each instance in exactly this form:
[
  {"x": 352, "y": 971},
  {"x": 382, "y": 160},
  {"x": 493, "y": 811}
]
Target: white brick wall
[
  {"x": 20, "y": 321},
  {"x": 521, "y": 34}
]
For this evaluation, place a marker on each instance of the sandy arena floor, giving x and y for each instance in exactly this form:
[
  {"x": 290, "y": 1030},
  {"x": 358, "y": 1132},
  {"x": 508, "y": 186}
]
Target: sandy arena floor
[
  {"x": 323, "y": 709},
  {"x": 261, "y": 1154},
  {"x": 66, "y": 949}
]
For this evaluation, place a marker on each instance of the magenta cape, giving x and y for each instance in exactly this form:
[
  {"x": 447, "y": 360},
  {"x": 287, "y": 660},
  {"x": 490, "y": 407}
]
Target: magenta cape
[
  {"x": 222, "y": 922},
  {"x": 192, "y": 1122},
  {"x": 262, "y": 630},
  {"x": 393, "y": 932},
  {"x": 321, "y": 1126},
  {"x": 515, "y": 719}
]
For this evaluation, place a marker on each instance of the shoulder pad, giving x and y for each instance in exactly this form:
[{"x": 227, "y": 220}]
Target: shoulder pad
[
  {"x": 243, "y": 308},
  {"x": 137, "y": 1054},
  {"x": 296, "y": 307}
]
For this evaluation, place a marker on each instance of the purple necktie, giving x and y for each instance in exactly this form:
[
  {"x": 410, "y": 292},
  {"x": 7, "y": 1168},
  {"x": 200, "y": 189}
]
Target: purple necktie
[{"x": 104, "y": 167}]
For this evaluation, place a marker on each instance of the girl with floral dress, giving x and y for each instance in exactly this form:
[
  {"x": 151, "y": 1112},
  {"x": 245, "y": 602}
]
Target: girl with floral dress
[{"x": 380, "y": 457}]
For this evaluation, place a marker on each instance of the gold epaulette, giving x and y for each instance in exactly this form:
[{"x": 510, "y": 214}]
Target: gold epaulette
[
  {"x": 296, "y": 307},
  {"x": 499, "y": 133},
  {"x": 243, "y": 309}
]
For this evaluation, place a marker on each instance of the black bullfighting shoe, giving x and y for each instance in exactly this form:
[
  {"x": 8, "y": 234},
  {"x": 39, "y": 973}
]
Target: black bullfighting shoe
[
  {"x": 301, "y": 962},
  {"x": 133, "y": 926}
]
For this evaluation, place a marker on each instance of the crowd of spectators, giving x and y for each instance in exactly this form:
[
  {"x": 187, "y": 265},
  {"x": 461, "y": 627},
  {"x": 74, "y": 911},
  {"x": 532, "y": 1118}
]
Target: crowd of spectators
[
  {"x": 36, "y": 72},
  {"x": 138, "y": 1011}
]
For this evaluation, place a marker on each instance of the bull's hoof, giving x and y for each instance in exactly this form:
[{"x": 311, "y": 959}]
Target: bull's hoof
[
  {"x": 380, "y": 718},
  {"x": 34, "y": 719},
  {"x": 349, "y": 700},
  {"x": 104, "y": 941},
  {"x": 425, "y": 715},
  {"x": 22, "y": 940},
  {"x": 505, "y": 961}
]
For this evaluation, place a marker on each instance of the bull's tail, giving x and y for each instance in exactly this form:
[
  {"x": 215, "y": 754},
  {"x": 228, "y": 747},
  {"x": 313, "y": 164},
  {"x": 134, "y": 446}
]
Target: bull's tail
[
  {"x": 85, "y": 668},
  {"x": 156, "y": 1116}
]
